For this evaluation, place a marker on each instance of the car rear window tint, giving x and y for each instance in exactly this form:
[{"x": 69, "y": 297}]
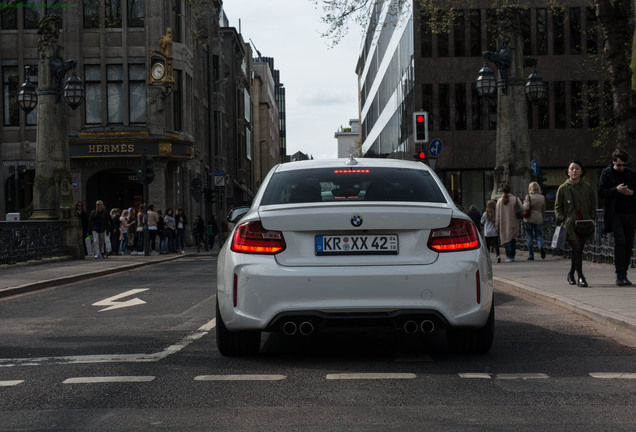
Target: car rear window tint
[{"x": 352, "y": 184}]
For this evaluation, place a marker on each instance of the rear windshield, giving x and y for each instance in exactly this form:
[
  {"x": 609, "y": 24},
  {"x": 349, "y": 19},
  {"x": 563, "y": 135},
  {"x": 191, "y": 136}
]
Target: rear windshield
[{"x": 352, "y": 184}]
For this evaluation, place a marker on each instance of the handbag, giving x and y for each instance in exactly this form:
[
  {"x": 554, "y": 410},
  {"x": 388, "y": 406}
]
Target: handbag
[
  {"x": 527, "y": 213},
  {"x": 518, "y": 211},
  {"x": 559, "y": 238},
  {"x": 584, "y": 226}
]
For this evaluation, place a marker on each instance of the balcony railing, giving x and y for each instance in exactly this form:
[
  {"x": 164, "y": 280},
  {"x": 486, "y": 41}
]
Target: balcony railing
[{"x": 30, "y": 240}]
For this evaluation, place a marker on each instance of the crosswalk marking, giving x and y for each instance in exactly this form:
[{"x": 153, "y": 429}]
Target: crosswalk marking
[
  {"x": 369, "y": 376},
  {"x": 246, "y": 377},
  {"x": 337, "y": 376},
  {"x": 613, "y": 375},
  {"x": 108, "y": 379},
  {"x": 10, "y": 383}
]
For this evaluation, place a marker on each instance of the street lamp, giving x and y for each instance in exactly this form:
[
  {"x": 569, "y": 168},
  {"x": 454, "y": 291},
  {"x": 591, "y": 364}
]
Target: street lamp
[
  {"x": 512, "y": 138},
  {"x": 73, "y": 93},
  {"x": 486, "y": 84}
]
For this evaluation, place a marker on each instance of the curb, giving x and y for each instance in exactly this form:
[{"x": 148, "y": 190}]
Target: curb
[{"x": 593, "y": 313}]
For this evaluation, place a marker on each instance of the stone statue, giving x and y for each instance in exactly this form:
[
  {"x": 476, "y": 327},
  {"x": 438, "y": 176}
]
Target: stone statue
[{"x": 165, "y": 43}]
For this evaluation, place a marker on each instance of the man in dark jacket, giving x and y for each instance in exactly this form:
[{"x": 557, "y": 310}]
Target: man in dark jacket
[
  {"x": 99, "y": 222},
  {"x": 616, "y": 186}
]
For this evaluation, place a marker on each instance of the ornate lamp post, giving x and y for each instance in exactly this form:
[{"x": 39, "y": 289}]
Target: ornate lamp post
[
  {"x": 512, "y": 140},
  {"x": 52, "y": 197}
]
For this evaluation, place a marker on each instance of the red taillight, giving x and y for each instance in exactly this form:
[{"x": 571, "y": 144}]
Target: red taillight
[
  {"x": 460, "y": 235},
  {"x": 251, "y": 237}
]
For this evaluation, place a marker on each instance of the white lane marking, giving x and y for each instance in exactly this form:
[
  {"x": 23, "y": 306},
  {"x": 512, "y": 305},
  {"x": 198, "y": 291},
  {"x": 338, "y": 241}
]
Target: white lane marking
[
  {"x": 370, "y": 376},
  {"x": 10, "y": 383},
  {"x": 475, "y": 375},
  {"x": 113, "y": 358},
  {"x": 246, "y": 377},
  {"x": 112, "y": 302},
  {"x": 522, "y": 376},
  {"x": 108, "y": 379},
  {"x": 613, "y": 375}
]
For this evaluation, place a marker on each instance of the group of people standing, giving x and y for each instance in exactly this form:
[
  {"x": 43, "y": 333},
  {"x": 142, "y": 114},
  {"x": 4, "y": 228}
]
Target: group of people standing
[
  {"x": 116, "y": 232},
  {"x": 576, "y": 200}
]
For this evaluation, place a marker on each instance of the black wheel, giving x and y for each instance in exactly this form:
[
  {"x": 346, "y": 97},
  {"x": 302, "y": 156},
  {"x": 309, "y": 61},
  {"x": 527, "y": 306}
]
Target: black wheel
[
  {"x": 235, "y": 343},
  {"x": 473, "y": 340}
]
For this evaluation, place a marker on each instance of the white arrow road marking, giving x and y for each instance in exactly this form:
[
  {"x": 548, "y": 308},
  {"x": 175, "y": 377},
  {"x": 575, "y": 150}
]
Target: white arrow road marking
[{"x": 114, "y": 304}]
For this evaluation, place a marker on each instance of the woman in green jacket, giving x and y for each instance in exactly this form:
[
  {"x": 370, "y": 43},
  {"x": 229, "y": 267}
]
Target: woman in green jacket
[{"x": 575, "y": 199}]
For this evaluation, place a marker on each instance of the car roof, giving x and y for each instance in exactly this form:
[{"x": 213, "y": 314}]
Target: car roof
[{"x": 354, "y": 163}]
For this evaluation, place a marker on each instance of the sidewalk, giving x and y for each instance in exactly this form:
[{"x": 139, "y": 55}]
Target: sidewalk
[{"x": 602, "y": 301}]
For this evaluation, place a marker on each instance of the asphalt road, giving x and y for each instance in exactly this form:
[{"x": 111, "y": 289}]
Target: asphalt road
[{"x": 68, "y": 362}]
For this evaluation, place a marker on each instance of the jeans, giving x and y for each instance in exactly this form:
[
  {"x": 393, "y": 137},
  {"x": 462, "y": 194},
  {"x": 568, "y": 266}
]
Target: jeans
[
  {"x": 533, "y": 231},
  {"x": 623, "y": 225},
  {"x": 124, "y": 243},
  {"x": 511, "y": 249},
  {"x": 163, "y": 244},
  {"x": 180, "y": 239}
]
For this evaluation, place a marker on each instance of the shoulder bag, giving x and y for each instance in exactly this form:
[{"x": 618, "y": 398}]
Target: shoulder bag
[
  {"x": 581, "y": 226},
  {"x": 527, "y": 213},
  {"x": 518, "y": 210}
]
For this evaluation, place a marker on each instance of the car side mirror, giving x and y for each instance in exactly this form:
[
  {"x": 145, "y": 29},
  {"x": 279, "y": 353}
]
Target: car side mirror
[{"x": 236, "y": 214}]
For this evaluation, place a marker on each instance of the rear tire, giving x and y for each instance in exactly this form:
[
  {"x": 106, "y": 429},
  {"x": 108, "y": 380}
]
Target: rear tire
[
  {"x": 235, "y": 343},
  {"x": 473, "y": 340}
]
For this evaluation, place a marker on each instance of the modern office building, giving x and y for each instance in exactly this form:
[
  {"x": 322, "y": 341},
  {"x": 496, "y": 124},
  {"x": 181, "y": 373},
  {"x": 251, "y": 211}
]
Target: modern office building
[{"x": 404, "y": 67}]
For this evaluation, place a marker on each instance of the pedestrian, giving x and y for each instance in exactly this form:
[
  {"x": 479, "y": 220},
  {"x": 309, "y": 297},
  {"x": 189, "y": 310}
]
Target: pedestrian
[
  {"x": 171, "y": 230},
  {"x": 197, "y": 232},
  {"x": 139, "y": 233},
  {"x": 213, "y": 229},
  {"x": 99, "y": 224},
  {"x": 153, "y": 220},
  {"x": 507, "y": 222},
  {"x": 535, "y": 205},
  {"x": 616, "y": 186},
  {"x": 180, "y": 223},
  {"x": 490, "y": 229},
  {"x": 475, "y": 216},
  {"x": 123, "y": 232},
  {"x": 575, "y": 200},
  {"x": 115, "y": 214},
  {"x": 81, "y": 214},
  {"x": 161, "y": 231}
]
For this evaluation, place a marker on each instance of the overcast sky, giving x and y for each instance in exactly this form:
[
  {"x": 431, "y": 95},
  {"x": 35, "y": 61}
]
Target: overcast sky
[{"x": 320, "y": 81}]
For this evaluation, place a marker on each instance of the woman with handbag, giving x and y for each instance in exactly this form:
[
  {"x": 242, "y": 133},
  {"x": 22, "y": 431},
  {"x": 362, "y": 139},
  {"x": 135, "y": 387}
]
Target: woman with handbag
[
  {"x": 576, "y": 201},
  {"x": 507, "y": 222},
  {"x": 533, "y": 212}
]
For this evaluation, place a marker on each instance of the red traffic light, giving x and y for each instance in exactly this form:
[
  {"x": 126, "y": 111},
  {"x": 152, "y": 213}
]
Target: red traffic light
[
  {"x": 419, "y": 118},
  {"x": 422, "y": 155}
]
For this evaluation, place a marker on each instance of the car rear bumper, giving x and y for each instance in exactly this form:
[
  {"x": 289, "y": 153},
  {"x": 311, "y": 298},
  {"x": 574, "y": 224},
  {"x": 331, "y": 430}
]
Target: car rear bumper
[{"x": 267, "y": 296}]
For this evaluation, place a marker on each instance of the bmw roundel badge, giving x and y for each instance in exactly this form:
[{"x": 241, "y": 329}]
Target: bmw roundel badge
[{"x": 356, "y": 221}]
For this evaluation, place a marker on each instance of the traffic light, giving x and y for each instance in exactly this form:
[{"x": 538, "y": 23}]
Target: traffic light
[
  {"x": 421, "y": 156},
  {"x": 420, "y": 127},
  {"x": 145, "y": 174},
  {"x": 210, "y": 198},
  {"x": 541, "y": 179}
]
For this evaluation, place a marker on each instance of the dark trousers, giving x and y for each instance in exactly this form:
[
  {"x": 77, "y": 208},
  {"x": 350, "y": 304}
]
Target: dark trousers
[{"x": 623, "y": 225}]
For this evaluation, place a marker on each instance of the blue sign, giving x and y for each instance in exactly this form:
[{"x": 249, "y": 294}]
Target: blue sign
[
  {"x": 535, "y": 167},
  {"x": 435, "y": 148}
]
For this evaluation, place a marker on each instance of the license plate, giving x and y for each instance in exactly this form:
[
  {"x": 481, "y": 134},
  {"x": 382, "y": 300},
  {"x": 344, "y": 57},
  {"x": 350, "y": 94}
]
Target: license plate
[{"x": 384, "y": 244}]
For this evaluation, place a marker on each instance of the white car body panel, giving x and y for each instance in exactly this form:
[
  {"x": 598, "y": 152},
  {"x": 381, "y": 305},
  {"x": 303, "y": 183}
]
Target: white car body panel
[{"x": 456, "y": 286}]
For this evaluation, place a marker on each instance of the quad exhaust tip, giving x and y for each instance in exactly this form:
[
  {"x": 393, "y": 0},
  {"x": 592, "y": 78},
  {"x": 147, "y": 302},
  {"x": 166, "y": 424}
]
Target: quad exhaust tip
[
  {"x": 412, "y": 326},
  {"x": 305, "y": 328}
]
